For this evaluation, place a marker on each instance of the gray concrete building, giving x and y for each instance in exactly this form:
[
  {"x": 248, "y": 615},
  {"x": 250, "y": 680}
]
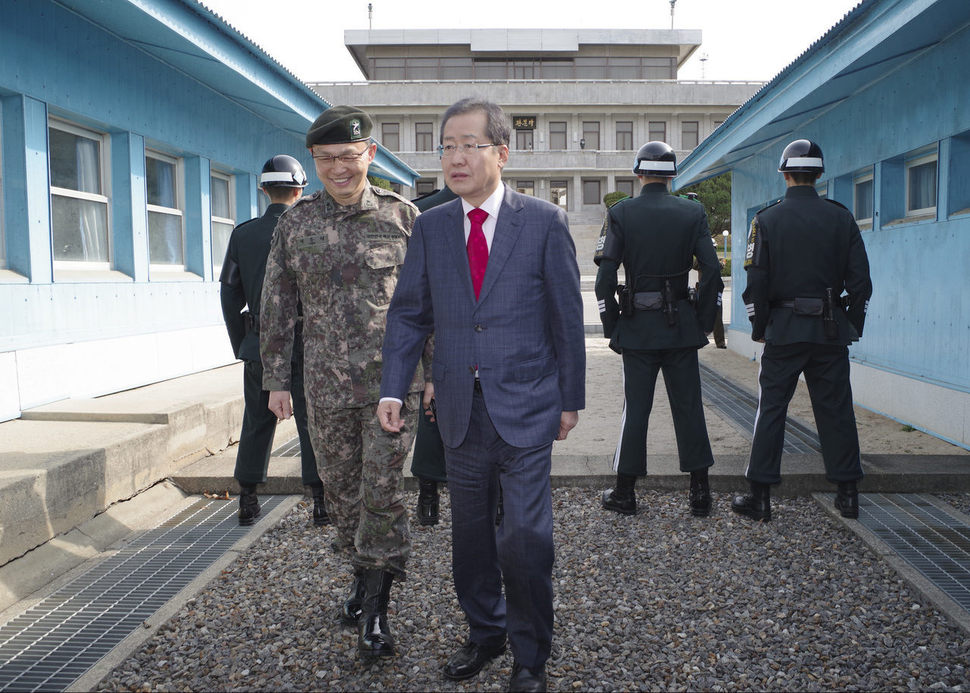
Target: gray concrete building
[{"x": 582, "y": 101}]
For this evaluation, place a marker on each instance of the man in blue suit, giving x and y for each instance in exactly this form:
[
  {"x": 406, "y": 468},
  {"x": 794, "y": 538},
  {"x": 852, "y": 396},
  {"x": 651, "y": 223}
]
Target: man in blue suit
[{"x": 494, "y": 276}]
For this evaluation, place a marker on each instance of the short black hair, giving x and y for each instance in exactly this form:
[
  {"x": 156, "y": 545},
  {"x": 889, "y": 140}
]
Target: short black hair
[
  {"x": 803, "y": 177},
  {"x": 496, "y": 122}
]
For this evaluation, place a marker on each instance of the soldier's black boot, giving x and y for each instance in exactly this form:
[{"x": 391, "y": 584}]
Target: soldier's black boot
[
  {"x": 700, "y": 494},
  {"x": 350, "y": 613},
  {"x": 847, "y": 499},
  {"x": 499, "y": 509},
  {"x": 374, "y": 636},
  {"x": 757, "y": 505},
  {"x": 248, "y": 504},
  {"x": 427, "y": 501},
  {"x": 623, "y": 498},
  {"x": 320, "y": 515}
]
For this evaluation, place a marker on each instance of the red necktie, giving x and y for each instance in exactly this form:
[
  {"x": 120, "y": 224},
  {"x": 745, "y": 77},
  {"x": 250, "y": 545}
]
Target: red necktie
[{"x": 477, "y": 249}]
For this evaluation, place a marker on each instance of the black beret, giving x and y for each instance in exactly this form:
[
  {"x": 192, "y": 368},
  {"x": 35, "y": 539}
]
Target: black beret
[{"x": 338, "y": 125}]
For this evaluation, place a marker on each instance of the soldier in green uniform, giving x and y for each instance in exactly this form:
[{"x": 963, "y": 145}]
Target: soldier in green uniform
[
  {"x": 339, "y": 251},
  {"x": 802, "y": 253},
  {"x": 656, "y": 236}
]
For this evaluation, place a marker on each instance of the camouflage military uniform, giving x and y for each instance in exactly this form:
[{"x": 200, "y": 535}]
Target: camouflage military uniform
[{"x": 343, "y": 262}]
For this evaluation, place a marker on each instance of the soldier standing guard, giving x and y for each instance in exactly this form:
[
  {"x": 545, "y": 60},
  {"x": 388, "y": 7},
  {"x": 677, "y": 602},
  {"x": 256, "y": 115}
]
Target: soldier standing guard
[
  {"x": 802, "y": 252},
  {"x": 282, "y": 180},
  {"x": 340, "y": 251},
  {"x": 657, "y": 236}
]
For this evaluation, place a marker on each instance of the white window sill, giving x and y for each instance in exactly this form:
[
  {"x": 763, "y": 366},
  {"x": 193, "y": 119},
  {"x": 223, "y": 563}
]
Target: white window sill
[
  {"x": 11, "y": 277},
  {"x": 72, "y": 276}
]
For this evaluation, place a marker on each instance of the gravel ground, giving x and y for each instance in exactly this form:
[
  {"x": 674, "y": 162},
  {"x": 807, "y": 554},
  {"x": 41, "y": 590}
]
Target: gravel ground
[{"x": 657, "y": 601}]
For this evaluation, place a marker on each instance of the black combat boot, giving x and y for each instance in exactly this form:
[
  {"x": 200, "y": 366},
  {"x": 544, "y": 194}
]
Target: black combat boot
[
  {"x": 847, "y": 499},
  {"x": 623, "y": 498},
  {"x": 248, "y": 504},
  {"x": 350, "y": 613},
  {"x": 374, "y": 636},
  {"x": 427, "y": 501},
  {"x": 757, "y": 505},
  {"x": 500, "y": 508},
  {"x": 700, "y": 494},
  {"x": 320, "y": 515}
]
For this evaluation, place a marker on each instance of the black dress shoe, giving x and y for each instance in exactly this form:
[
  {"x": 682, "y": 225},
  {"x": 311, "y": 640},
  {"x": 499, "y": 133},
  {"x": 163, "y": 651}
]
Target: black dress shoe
[
  {"x": 248, "y": 505},
  {"x": 427, "y": 502},
  {"x": 847, "y": 499},
  {"x": 469, "y": 659},
  {"x": 320, "y": 515},
  {"x": 756, "y": 505},
  {"x": 618, "y": 503},
  {"x": 526, "y": 680}
]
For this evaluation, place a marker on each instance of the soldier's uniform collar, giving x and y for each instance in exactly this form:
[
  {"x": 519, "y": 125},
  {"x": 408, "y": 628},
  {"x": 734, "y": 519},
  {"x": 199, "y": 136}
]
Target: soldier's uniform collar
[{"x": 367, "y": 202}]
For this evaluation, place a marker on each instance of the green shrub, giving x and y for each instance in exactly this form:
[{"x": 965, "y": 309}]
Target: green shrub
[{"x": 610, "y": 199}]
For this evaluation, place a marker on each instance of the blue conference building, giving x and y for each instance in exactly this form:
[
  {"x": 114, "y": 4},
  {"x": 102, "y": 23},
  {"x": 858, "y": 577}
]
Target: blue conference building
[
  {"x": 886, "y": 94},
  {"x": 132, "y": 134}
]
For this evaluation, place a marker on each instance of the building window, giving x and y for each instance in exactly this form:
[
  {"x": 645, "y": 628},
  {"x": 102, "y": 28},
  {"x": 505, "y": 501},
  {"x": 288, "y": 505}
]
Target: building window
[
  {"x": 862, "y": 199},
  {"x": 388, "y": 68},
  {"x": 422, "y": 68},
  {"x": 591, "y": 134},
  {"x": 624, "y": 135},
  {"x": 659, "y": 68},
  {"x": 625, "y": 185},
  {"x": 391, "y": 136},
  {"x": 220, "y": 204},
  {"x": 457, "y": 68},
  {"x": 79, "y": 206},
  {"x": 164, "y": 210},
  {"x": 523, "y": 140},
  {"x": 688, "y": 134},
  {"x": 557, "y": 136},
  {"x": 921, "y": 185},
  {"x": 591, "y": 192},
  {"x": 423, "y": 137},
  {"x": 526, "y": 187},
  {"x": 557, "y": 193},
  {"x": 658, "y": 131},
  {"x": 424, "y": 186}
]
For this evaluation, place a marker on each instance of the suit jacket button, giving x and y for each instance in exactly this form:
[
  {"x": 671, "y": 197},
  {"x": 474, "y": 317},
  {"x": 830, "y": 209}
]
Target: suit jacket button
[{"x": 479, "y": 328}]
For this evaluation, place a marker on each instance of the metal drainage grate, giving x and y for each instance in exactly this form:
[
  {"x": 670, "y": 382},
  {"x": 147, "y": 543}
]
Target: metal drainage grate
[
  {"x": 290, "y": 448},
  {"x": 930, "y": 539},
  {"x": 739, "y": 407},
  {"x": 53, "y": 643}
]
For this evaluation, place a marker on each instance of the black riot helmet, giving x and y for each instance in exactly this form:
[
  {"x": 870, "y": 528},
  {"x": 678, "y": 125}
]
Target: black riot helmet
[
  {"x": 282, "y": 171},
  {"x": 801, "y": 156},
  {"x": 656, "y": 159}
]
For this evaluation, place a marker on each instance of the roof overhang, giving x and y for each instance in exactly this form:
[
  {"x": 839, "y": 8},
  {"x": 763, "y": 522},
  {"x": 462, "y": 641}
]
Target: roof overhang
[
  {"x": 193, "y": 40},
  {"x": 874, "y": 39}
]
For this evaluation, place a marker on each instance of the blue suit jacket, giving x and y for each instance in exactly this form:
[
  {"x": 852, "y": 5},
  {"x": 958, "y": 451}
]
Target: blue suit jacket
[{"x": 525, "y": 333}]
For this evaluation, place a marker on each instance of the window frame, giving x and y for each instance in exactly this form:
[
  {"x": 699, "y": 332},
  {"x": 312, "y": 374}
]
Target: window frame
[
  {"x": 521, "y": 136},
  {"x": 564, "y": 133},
  {"x": 625, "y": 132},
  {"x": 597, "y": 130},
  {"x": 683, "y": 132},
  {"x": 104, "y": 161},
  {"x": 651, "y": 130},
  {"x": 386, "y": 134},
  {"x": 921, "y": 159},
  {"x": 213, "y": 219},
  {"x": 177, "y": 211},
  {"x": 419, "y": 136},
  {"x": 867, "y": 176},
  {"x": 599, "y": 190}
]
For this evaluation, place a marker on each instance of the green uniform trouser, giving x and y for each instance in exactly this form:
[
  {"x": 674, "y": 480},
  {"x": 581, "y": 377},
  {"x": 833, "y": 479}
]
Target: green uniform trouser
[
  {"x": 683, "y": 381},
  {"x": 361, "y": 471}
]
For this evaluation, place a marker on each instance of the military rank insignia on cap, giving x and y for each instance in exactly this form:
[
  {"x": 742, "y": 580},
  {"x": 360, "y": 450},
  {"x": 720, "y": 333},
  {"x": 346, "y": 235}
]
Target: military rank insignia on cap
[{"x": 338, "y": 125}]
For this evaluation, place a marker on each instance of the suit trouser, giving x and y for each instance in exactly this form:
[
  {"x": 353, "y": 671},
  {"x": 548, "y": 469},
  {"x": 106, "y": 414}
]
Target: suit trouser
[
  {"x": 826, "y": 368},
  {"x": 362, "y": 468},
  {"x": 259, "y": 428},
  {"x": 520, "y": 550},
  {"x": 683, "y": 381}
]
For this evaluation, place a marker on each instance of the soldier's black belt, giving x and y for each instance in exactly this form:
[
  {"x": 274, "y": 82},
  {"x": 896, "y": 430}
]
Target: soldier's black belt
[
  {"x": 802, "y": 306},
  {"x": 653, "y": 300}
]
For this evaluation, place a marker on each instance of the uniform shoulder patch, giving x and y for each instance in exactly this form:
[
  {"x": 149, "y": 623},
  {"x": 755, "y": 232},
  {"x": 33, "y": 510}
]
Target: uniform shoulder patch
[{"x": 304, "y": 200}]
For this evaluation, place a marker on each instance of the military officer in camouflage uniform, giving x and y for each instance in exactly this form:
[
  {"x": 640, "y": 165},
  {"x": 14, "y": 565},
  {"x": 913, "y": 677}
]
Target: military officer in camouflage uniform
[{"x": 340, "y": 251}]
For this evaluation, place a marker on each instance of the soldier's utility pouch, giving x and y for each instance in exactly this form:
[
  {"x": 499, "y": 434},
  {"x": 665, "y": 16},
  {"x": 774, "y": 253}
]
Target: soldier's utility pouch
[
  {"x": 625, "y": 298},
  {"x": 808, "y": 306},
  {"x": 648, "y": 300}
]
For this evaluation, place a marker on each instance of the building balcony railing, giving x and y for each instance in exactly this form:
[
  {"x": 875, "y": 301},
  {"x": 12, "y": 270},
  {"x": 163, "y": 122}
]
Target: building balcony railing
[{"x": 565, "y": 162}]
